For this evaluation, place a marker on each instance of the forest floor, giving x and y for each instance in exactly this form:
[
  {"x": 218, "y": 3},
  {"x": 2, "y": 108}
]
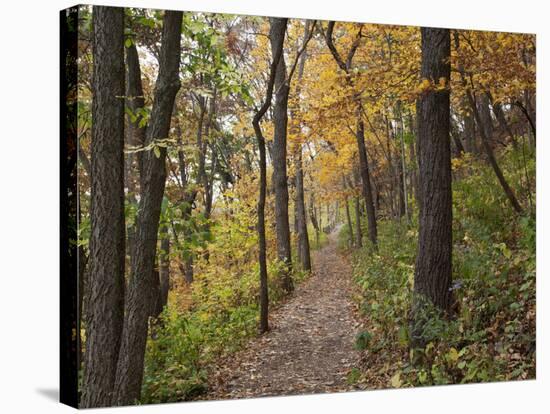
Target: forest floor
[{"x": 310, "y": 345}]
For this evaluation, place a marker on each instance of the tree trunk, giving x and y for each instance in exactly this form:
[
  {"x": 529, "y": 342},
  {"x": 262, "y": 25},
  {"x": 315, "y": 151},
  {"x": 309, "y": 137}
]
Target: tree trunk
[
  {"x": 393, "y": 174},
  {"x": 141, "y": 288},
  {"x": 164, "y": 273},
  {"x": 501, "y": 119},
  {"x": 469, "y": 128},
  {"x": 313, "y": 218},
  {"x": 414, "y": 161},
  {"x": 365, "y": 180},
  {"x": 135, "y": 101},
  {"x": 208, "y": 182},
  {"x": 459, "y": 148},
  {"x": 188, "y": 196},
  {"x": 304, "y": 256},
  {"x": 303, "y": 237},
  {"x": 280, "y": 185},
  {"x": 433, "y": 271},
  {"x": 82, "y": 286},
  {"x": 107, "y": 240},
  {"x": 277, "y": 32},
  {"x": 485, "y": 116},
  {"x": 350, "y": 227},
  {"x": 404, "y": 167},
  {"x": 358, "y": 231}
]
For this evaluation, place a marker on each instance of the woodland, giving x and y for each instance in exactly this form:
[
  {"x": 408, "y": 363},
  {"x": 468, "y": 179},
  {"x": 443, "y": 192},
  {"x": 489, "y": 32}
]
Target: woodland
[{"x": 273, "y": 206}]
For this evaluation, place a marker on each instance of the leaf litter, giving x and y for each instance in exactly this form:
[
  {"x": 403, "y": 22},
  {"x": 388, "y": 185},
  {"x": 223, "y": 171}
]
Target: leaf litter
[{"x": 310, "y": 345}]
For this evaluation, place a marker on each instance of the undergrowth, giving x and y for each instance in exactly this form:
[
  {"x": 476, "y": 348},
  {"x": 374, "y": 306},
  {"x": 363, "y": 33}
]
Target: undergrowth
[
  {"x": 492, "y": 336},
  {"x": 224, "y": 314}
]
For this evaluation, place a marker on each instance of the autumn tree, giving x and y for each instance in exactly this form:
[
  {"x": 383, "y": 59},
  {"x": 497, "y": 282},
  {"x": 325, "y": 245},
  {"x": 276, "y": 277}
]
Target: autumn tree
[
  {"x": 484, "y": 122},
  {"x": 346, "y": 66},
  {"x": 433, "y": 269}
]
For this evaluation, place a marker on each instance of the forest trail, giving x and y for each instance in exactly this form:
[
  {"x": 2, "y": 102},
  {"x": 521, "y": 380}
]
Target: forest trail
[{"x": 310, "y": 347}]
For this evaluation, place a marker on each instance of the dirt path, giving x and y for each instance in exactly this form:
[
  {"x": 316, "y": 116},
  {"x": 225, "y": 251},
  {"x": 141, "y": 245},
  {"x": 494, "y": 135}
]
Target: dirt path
[{"x": 310, "y": 346}]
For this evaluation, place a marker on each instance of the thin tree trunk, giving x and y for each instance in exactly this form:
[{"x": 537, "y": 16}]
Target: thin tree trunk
[
  {"x": 164, "y": 273},
  {"x": 107, "y": 240},
  {"x": 501, "y": 118},
  {"x": 404, "y": 167},
  {"x": 314, "y": 221},
  {"x": 393, "y": 174},
  {"x": 141, "y": 288},
  {"x": 365, "y": 179},
  {"x": 433, "y": 270},
  {"x": 358, "y": 231},
  {"x": 486, "y": 126},
  {"x": 135, "y": 102},
  {"x": 303, "y": 237},
  {"x": 188, "y": 196},
  {"x": 350, "y": 226}
]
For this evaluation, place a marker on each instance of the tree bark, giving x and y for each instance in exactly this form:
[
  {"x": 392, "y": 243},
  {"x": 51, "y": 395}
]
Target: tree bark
[
  {"x": 280, "y": 184},
  {"x": 135, "y": 101},
  {"x": 365, "y": 180},
  {"x": 433, "y": 271},
  {"x": 107, "y": 240},
  {"x": 277, "y": 31},
  {"x": 303, "y": 237},
  {"x": 141, "y": 288},
  {"x": 348, "y": 215}
]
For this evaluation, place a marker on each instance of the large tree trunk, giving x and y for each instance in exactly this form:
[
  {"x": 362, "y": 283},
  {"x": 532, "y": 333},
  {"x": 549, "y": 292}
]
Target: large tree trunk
[
  {"x": 82, "y": 286},
  {"x": 277, "y": 33},
  {"x": 280, "y": 185},
  {"x": 142, "y": 283},
  {"x": 433, "y": 271},
  {"x": 107, "y": 240}
]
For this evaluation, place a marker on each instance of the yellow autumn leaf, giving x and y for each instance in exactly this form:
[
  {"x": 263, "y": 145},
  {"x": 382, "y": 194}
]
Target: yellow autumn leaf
[
  {"x": 453, "y": 355},
  {"x": 396, "y": 380}
]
